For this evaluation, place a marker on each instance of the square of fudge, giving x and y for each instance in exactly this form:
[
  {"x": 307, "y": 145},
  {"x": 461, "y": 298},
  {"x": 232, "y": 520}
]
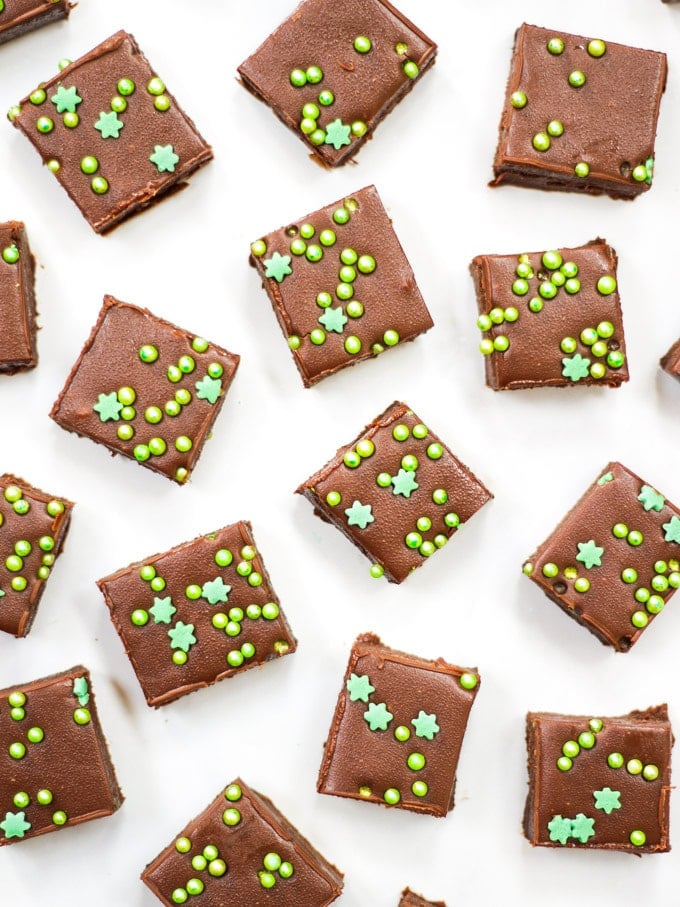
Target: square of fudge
[
  {"x": 599, "y": 782},
  {"x": 18, "y": 337},
  {"x": 332, "y": 71},
  {"x": 146, "y": 389},
  {"x": 411, "y": 899},
  {"x": 341, "y": 285},
  {"x": 397, "y": 492},
  {"x": 614, "y": 560},
  {"x": 242, "y": 850},
  {"x": 398, "y": 729},
  {"x": 203, "y": 611},
  {"x": 33, "y": 529},
  {"x": 18, "y": 17},
  {"x": 670, "y": 363},
  {"x": 55, "y": 770},
  {"x": 551, "y": 318},
  {"x": 568, "y": 122},
  {"x": 111, "y": 133}
]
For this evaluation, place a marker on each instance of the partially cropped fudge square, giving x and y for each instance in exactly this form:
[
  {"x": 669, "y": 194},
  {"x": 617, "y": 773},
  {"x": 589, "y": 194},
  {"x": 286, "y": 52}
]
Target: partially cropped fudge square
[
  {"x": 198, "y": 613},
  {"x": 242, "y": 850},
  {"x": 411, "y": 899},
  {"x": 551, "y": 318},
  {"x": 111, "y": 133},
  {"x": 613, "y": 562},
  {"x": 146, "y": 389},
  {"x": 55, "y": 768},
  {"x": 397, "y": 493},
  {"x": 568, "y": 122},
  {"x": 341, "y": 285},
  {"x": 33, "y": 529},
  {"x": 398, "y": 729},
  {"x": 18, "y": 17},
  {"x": 18, "y": 334},
  {"x": 599, "y": 783},
  {"x": 670, "y": 363},
  {"x": 332, "y": 71}
]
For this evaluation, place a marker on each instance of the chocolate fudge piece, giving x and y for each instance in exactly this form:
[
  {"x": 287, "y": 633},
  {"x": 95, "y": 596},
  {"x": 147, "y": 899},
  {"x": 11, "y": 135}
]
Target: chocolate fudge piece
[
  {"x": 146, "y": 389},
  {"x": 568, "y": 122},
  {"x": 242, "y": 850},
  {"x": 18, "y": 17},
  {"x": 312, "y": 270},
  {"x": 599, "y": 782},
  {"x": 551, "y": 318},
  {"x": 411, "y": 899},
  {"x": 33, "y": 529},
  {"x": 111, "y": 133},
  {"x": 213, "y": 593},
  {"x": 55, "y": 768},
  {"x": 670, "y": 363},
  {"x": 18, "y": 343},
  {"x": 332, "y": 71},
  {"x": 398, "y": 729},
  {"x": 397, "y": 492},
  {"x": 613, "y": 561}
]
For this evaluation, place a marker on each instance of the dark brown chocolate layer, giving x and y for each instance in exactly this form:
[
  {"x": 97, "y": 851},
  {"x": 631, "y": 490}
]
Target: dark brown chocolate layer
[
  {"x": 18, "y": 333},
  {"x": 411, "y": 899},
  {"x": 18, "y": 17}
]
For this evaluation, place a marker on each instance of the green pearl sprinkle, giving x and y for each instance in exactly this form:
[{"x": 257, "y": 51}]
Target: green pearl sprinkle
[
  {"x": 629, "y": 575},
  {"x": 555, "y": 128},
  {"x": 435, "y": 451},
  {"x": 582, "y": 584},
  {"x": 314, "y": 74},
  {"x": 520, "y": 287},
  {"x": 270, "y": 611},
  {"x": 35, "y": 735},
  {"x": 362, "y": 44},
  {"x": 655, "y": 604},
  {"x": 38, "y": 96},
  {"x": 53, "y": 165},
  {"x": 347, "y": 274},
  {"x": 89, "y": 164},
  {"x": 327, "y": 238},
  {"x": 333, "y": 498},
  {"x": 639, "y": 620},
  {"x": 606, "y": 285},
  {"x": 634, "y": 767},
  {"x": 650, "y": 772},
  {"x": 21, "y": 800},
  {"x": 44, "y": 125},
  {"x": 44, "y": 797},
  {"x": 341, "y": 216},
  {"x": 569, "y": 269},
  {"x": 71, "y": 120},
  {"x": 17, "y": 699},
  {"x": 81, "y": 716},
  {"x": 615, "y": 359},
  {"x": 639, "y": 173},
  {"x": 99, "y": 185},
  {"x": 577, "y": 78},
  {"x": 183, "y": 444},
  {"x": 162, "y": 103},
  {"x": 410, "y": 69},
  {"x": 125, "y": 87},
  {"x": 365, "y": 448},
  {"x": 637, "y": 838},
  {"x": 17, "y": 714},
  {"x": 550, "y": 570},
  {"x": 518, "y": 100},
  {"x": 564, "y": 763},
  {"x": 468, "y": 681},
  {"x": 366, "y": 264},
  {"x": 233, "y": 793},
  {"x": 199, "y": 862},
  {"x": 179, "y": 896},
  {"x": 535, "y": 304},
  {"x": 352, "y": 345},
  {"x": 413, "y": 540},
  {"x": 355, "y": 309},
  {"x": 615, "y": 760},
  {"x": 541, "y": 141},
  {"x": 596, "y": 48},
  {"x": 16, "y": 750},
  {"x": 635, "y": 538},
  {"x": 155, "y": 86},
  {"x": 571, "y": 749},
  {"x": 582, "y": 169},
  {"x": 586, "y": 740},
  {"x": 298, "y": 78},
  {"x": 376, "y": 571},
  {"x": 440, "y": 496},
  {"x": 60, "y": 817},
  {"x": 390, "y": 338},
  {"x": 420, "y": 431},
  {"x": 452, "y": 520},
  {"x": 139, "y": 617},
  {"x": 231, "y": 817},
  {"x": 555, "y": 46},
  {"x": 391, "y": 796},
  {"x": 620, "y": 530}
]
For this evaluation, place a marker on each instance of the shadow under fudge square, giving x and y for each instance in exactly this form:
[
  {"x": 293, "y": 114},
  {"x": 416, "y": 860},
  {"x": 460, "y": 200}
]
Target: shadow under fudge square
[
  {"x": 599, "y": 783},
  {"x": 612, "y": 563},
  {"x": 397, "y": 493},
  {"x": 551, "y": 318},
  {"x": 111, "y": 133},
  {"x": 18, "y": 17},
  {"x": 198, "y": 613},
  {"x": 312, "y": 270},
  {"x": 569, "y": 121},
  {"x": 146, "y": 389},
  {"x": 18, "y": 337},
  {"x": 55, "y": 768},
  {"x": 398, "y": 729},
  {"x": 242, "y": 850},
  {"x": 333, "y": 71}
]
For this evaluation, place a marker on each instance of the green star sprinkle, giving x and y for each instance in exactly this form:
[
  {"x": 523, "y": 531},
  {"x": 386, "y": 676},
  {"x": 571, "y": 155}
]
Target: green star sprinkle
[
  {"x": 164, "y": 158},
  {"x": 81, "y": 690},
  {"x": 278, "y": 267},
  {"x": 15, "y": 825},
  {"x": 163, "y": 610},
  {"x": 215, "y": 591},
  {"x": 359, "y": 515},
  {"x": 560, "y": 829},
  {"x": 377, "y": 716},
  {"x": 582, "y": 828},
  {"x": 651, "y": 499},
  {"x": 672, "y": 530},
  {"x": 182, "y": 636},
  {"x": 607, "y": 799},
  {"x": 108, "y": 407},
  {"x": 425, "y": 725},
  {"x": 109, "y": 125},
  {"x": 404, "y": 483},
  {"x": 359, "y": 688},
  {"x": 209, "y": 389},
  {"x": 576, "y": 367},
  {"x": 66, "y": 99},
  {"x": 337, "y": 134},
  {"x": 589, "y": 554},
  {"x": 334, "y": 320},
  {"x": 607, "y": 477}
]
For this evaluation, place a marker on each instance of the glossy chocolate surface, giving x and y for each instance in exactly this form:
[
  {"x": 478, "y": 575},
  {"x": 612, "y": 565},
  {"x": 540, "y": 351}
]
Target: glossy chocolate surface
[
  {"x": 18, "y": 334},
  {"x": 18, "y": 17}
]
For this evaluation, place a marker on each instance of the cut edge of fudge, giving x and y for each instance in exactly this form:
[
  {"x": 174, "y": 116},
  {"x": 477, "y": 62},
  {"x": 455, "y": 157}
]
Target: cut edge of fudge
[
  {"x": 19, "y": 238},
  {"x": 670, "y": 362},
  {"x": 411, "y": 898},
  {"x": 44, "y": 13}
]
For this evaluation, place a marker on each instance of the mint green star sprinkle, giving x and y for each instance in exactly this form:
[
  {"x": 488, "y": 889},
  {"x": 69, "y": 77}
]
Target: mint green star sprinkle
[
  {"x": 334, "y": 320},
  {"x": 108, "y": 407},
  {"x": 607, "y": 799},
  {"x": 15, "y": 825},
  {"x": 66, "y": 99},
  {"x": 607, "y": 477},
  {"x": 163, "y": 610},
  {"x": 109, "y": 125},
  {"x": 589, "y": 554},
  {"x": 359, "y": 515},
  {"x": 182, "y": 636},
  {"x": 672, "y": 530},
  {"x": 576, "y": 367},
  {"x": 81, "y": 690},
  {"x": 582, "y": 828},
  {"x": 278, "y": 267},
  {"x": 425, "y": 725},
  {"x": 337, "y": 134},
  {"x": 164, "y": 158},
  {"x": 377, "y": 716},
  {"x": 560, "y": 829},
  {"x": 404, "y": 482},
  {"x": 215, "y": 591},
  {"x": 359, "y": 688},
  {"x": 209, "y": 389},
  {"x": 651, "y": 499}
]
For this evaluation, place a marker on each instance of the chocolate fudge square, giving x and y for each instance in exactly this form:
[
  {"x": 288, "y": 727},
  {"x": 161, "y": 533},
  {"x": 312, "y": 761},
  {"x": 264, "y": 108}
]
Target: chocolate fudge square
[
  {"x": 198, "y": 613},
  {"x": 569, "y": 122},
  {"x": 332, "y": 71},
  {"x": 55, "y": 768},
  {"x": 340, "y": 284},
  {"x": 242, "y": 850},
  {"x": 398, "y": 729},
  {"x": 33, "y": 529},
  {"x": 18, "y": 336},
  {"x": 397, "y": 493},
  {"x": 599, "y": 782},
  {"x": 613, "y": 562},
  {"x": 670, "y": 363},
  {"x": 551, "y": 318},
  {"x": 18, "y": 17},
  {"x": 111, "y": 133},
  {"x": 411, "y": 899},
  {"x": 146, "y": 389}
]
